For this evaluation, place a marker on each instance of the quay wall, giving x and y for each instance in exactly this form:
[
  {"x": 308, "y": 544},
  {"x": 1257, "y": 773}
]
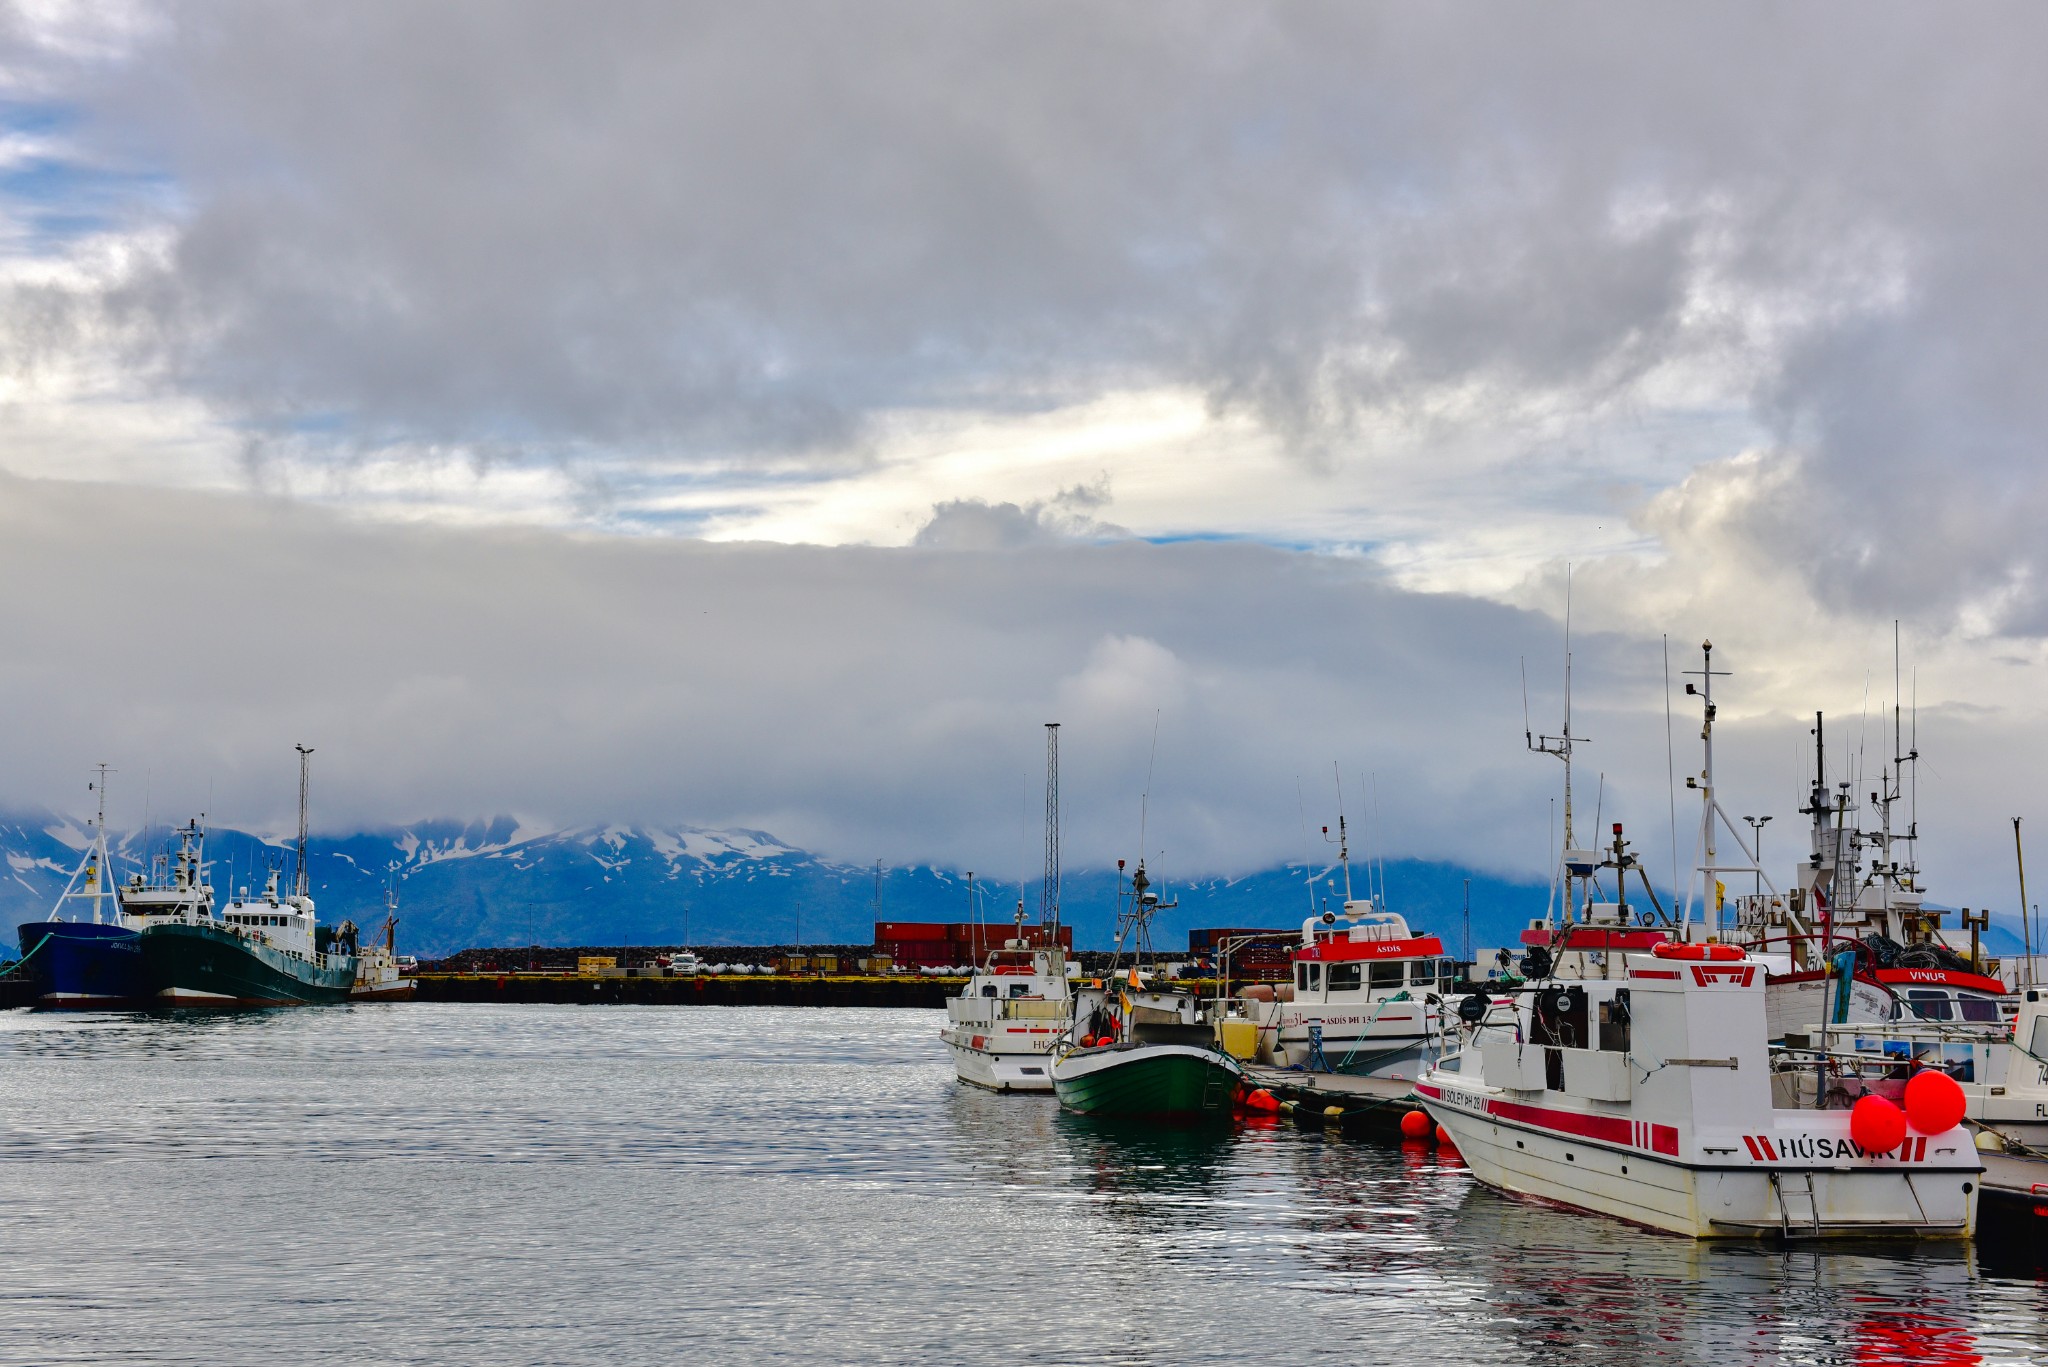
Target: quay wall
[{"x": 700, "y": 990}]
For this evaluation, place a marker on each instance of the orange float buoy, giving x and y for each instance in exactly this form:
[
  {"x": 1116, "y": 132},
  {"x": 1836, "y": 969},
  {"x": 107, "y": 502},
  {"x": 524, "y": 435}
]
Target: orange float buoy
[
  {"x": 1415, "y": 1125},
  {"x": 1934, "y": 1102},
  {"x": 1443, "y": 1137},
  {"x": 1262, "y": 1100},
  {"x": 1876, "y": 1125}
]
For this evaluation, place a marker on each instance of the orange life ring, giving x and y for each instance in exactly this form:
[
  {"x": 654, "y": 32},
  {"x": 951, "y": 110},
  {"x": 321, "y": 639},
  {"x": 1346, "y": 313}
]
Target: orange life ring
[{"x": 1671, "y": 949}]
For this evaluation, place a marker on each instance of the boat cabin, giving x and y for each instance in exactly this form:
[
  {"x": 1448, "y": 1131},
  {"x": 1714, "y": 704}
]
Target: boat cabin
[{"x": 1367, "y": 952}]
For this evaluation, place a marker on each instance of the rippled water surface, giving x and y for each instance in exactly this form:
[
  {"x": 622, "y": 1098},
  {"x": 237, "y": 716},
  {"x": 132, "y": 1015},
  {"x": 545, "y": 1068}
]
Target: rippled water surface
[{"x": 474, "y": 1184}]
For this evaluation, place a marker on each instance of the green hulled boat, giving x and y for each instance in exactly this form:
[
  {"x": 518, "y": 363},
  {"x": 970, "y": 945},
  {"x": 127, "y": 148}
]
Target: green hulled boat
[
  {"x": 226, "y": 963},
  {"x": 1174, "y": 1082}
]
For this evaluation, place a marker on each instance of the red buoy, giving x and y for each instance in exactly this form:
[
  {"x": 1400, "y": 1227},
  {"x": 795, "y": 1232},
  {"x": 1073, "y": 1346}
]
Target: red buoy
[
  {"x": 1934, "y": 1102},
  {"x": 1876, "y": 1125},
  {"x": 1262, "y": 1100},
  {"x": 1443, "y": 1138},
  {"x": 1415, "y": 1125}
]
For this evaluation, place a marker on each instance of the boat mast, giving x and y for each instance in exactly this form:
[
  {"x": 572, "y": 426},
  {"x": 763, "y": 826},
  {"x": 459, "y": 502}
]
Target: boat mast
[
  {"x": 1343, "y": 840},
  {"x": 1049, "y": 891},
  {"x": 1712, "y": 816},
  {"x": 1560, "y": 747},
  {"x": 305, "y": 753}
]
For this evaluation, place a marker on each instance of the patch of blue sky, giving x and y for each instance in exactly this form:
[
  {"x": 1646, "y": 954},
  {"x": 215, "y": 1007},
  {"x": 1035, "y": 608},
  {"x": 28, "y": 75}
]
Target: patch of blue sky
[
  {"x": 1280, "y": 543},
  {"x": 55, "y": 195}
]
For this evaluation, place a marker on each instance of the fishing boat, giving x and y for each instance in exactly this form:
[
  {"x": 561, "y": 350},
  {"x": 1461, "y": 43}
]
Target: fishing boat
[
  {"x": 1651, "y": 1096},
  {"x": 380, "y": 976},
  {"x": 1137, "y": 1050},
  {"x": 268, "y": 950},
  {"x": 1365, "y": 998},
  {"x": 1157, "y": 1059},
  {"x": 78, "y": 964},
  {"x": 1365, "y": 993},
  {"x": 1018, "y": 1003},
  {"x": 1011, "y": 1013}
]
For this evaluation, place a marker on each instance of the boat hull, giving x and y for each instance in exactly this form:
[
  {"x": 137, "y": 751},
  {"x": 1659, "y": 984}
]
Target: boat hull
[
  {"x": 1000, "y": 1072},
  {"x": 1170, "y": 1082},
  {"x": 84, "y": 965},
  {"x": 1705, "y": 1201},
  {"x": 205, "y": 965}
]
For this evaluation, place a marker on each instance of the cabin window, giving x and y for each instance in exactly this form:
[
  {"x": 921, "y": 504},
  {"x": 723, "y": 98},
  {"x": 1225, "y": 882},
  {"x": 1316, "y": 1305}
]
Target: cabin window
[
  {"x": 1345, "y": 977},
  {"x": 1019, "y": 989},
  {"x": 1929, "y": 1005},
  {"x": 988, "y": 989},
  {"x": 1388, "y": 975},
  {"x": 1315, "y": 977},
  {"x": 1977, "y": 1009},
  {"x": 1422, "y": 973}
]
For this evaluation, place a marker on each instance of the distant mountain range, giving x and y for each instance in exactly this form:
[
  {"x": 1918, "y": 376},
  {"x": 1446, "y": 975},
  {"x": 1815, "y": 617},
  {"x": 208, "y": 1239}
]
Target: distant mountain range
[{"x": 500, "y": 883}]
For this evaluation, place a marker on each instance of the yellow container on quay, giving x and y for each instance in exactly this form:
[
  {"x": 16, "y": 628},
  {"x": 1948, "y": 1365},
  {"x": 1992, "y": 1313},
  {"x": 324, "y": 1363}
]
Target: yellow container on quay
[{"x": 1240, "y": 1038}]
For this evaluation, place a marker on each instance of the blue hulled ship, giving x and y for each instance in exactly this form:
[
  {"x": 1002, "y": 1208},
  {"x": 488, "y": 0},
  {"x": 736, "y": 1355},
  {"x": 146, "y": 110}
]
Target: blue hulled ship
[{"x": 79, "y": 963}]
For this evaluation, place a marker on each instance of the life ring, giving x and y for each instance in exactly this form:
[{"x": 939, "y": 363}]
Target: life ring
[{"x": 1670, "y": 949}]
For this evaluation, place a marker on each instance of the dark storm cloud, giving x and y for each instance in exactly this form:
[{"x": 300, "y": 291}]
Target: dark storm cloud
[
  {"x": 727, "y": 223},
  {"x": 871, "y": 703},
  {"x": 686, "y": 228}
]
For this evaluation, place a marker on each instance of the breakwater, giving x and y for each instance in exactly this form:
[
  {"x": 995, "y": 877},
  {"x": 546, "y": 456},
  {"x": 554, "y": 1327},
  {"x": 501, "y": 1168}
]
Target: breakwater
[{"x": 694, "y": 990}]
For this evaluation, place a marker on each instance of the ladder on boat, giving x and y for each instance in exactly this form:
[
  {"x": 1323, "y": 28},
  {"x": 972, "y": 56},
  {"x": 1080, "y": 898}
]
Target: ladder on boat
[{"x": 1791, "y": 1187}]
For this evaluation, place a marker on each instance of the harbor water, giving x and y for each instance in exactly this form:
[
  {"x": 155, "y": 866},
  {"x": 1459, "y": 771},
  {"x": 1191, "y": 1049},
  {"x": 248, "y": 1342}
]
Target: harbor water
[{"x": 426, "y": 1183}]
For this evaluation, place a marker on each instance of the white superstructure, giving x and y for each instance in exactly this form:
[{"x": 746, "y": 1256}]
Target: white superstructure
[{"x": 1015, "y": 1008}]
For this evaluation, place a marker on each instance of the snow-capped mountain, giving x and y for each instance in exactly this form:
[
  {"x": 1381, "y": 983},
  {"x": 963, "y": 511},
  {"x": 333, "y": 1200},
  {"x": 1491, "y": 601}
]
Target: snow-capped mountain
[{"x": 499, "y": 882}]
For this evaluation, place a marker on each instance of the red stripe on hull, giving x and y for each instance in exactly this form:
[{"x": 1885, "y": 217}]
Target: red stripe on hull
[{"x": 1619, "y": 1130}]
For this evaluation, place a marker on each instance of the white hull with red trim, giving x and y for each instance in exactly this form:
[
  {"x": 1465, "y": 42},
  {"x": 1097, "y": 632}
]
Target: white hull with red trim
[
  {"x": 1003, "y": 1026},
  {"x": 1365, "y": 1000},
  {"x": 1672, "y": 1120}
]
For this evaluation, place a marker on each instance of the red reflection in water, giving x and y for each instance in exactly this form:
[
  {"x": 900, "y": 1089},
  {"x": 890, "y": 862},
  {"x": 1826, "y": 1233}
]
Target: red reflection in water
[{"x": 1923, "y": 1340}]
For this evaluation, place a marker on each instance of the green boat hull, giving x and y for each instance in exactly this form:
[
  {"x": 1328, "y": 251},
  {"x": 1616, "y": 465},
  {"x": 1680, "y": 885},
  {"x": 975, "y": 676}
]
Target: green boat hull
[
  {"x": 1156, "y": 1082},
  {"x": 203, "y": 965}
]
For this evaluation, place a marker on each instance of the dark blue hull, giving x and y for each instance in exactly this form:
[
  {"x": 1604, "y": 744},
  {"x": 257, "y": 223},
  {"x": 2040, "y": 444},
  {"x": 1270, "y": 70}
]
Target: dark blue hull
[{"x": 84, "y": 965}]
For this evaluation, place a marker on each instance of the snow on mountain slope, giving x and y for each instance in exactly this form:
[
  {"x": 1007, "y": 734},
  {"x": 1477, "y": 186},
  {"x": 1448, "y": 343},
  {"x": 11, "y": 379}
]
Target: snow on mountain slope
[{"x": 503, "y": 882}]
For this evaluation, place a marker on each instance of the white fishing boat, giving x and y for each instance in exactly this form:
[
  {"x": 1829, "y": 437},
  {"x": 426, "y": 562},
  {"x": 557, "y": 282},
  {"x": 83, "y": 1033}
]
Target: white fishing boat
[
  {"x": 1650, "y": 1096},
  {"x": 1019, "y": 1001},
  {"x": 380, "y": 973},
  {"x": 1366, "y": 997},
  {"x": 1009, "y": 1016}
]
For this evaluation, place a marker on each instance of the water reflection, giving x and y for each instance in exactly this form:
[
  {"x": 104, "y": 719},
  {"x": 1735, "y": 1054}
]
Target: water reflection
[{"x": 533, "y": 1184}]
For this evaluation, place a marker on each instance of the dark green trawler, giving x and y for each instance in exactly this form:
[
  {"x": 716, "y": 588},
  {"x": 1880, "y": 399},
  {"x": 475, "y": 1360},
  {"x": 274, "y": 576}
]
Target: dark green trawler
[
  {"x": 256, "y": 952},
  {"x": 267, "y": 950}
]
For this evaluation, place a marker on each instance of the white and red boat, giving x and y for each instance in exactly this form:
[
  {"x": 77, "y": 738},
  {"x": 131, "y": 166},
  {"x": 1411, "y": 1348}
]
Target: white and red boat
[
  {"x": 1007, "y": 1020},
  {"x": 1650, "y": 1096},
  {"x": 1366, "y": 997}
]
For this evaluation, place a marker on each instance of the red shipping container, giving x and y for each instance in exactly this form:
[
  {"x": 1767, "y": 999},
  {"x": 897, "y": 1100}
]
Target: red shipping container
[{"x": 910, "y": 930}]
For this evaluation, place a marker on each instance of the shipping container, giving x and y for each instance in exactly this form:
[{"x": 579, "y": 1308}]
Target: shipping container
[{"x": 911, "y": 930}]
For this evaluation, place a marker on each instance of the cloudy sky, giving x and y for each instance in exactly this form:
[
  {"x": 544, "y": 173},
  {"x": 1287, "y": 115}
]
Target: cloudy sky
[{"x": 772, "y": 414}]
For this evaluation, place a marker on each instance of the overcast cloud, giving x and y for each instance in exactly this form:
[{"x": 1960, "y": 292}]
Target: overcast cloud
[{"x": 521, "y": 315}]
